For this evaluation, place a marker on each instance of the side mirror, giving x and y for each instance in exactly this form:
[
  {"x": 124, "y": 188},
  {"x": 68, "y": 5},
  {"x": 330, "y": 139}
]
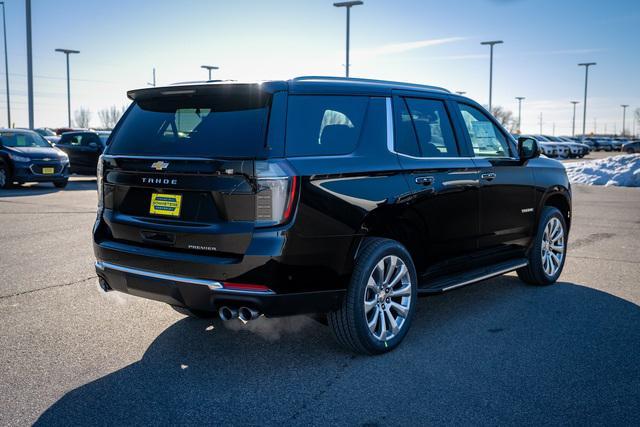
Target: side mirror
[{"x": 528, "y": 148}]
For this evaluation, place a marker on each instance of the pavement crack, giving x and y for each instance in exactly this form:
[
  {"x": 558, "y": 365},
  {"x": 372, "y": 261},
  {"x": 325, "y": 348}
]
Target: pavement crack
[{"x": 61, "y": 285}]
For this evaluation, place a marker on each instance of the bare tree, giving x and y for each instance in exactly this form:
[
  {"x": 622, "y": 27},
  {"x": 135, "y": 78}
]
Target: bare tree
[
  {"x": 505, "y": 117},
  {"x": 82, "y": 117},
  {"x": 636, "y": 116},
  {"x": 110, "y": 116}
]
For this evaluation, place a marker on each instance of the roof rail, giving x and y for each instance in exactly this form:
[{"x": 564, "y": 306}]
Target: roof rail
[{"x": 356, "y": 79}]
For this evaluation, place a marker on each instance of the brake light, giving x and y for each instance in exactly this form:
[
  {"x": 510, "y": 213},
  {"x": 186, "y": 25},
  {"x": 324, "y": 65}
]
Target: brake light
[
  {"x": 246, "y": 287},
  {"x": 276, "y": 193}
]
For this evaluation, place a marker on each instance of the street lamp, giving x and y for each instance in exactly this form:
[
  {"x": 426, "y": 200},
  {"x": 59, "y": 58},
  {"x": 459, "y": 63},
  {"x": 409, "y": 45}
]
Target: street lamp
[
  {"x": 348, "y": 5},
  {"x": 624, "y": 116},
  {"x": 67, "y": 52},
  {"x": 586, "y": 66},
  {"x": 520, "y": 98},
  {"x": 209, "y": 68},
  {"x": 491, "y": 44},
  {"x": 6, "y": 65},
  {"x": 27, "y": 10},
  {"x": 573, "y": 125}
]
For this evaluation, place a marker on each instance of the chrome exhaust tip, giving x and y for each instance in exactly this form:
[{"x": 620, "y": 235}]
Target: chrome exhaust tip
[
  {"x": 227, "y": 313},
  {"x": 245, "y": 314}
]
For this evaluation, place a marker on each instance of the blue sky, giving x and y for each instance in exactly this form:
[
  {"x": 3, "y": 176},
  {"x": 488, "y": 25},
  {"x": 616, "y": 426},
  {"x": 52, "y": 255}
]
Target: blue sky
[{"x": 434, "y": 42}]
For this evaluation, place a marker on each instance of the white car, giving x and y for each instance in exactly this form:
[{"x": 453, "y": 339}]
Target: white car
[{"x": 574, "y": 149}]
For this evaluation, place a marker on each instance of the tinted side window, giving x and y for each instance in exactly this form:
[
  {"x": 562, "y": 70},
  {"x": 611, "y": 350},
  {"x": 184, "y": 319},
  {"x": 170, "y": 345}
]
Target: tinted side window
[
  {"x": 405, "y": 135},
  {"x": 324, "y": 125},
  {"x": 486, "y": 138},
  {"x": 423, "y": 129},
  {"x": 431, "y": 123}
]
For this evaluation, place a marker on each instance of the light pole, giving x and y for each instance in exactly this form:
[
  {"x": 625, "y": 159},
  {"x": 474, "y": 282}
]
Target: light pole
[
  {"x": 586, "y": 66},
  {"x": 540, "y": 123},
  {"x": 520, "y": 98},
  {"x": 624, "y": 116},
  {"x": 209, "y": 68},
  {"x": 6, "y": 65},
  {"x": 348, "y": 5},
  {"x": 67, "y": 52},
  {"x": 153, "y": 82},
  {"x": 29, "y": 64},
  {"x": 573, "y": 125},
  {"x": 491, "y": 44}
]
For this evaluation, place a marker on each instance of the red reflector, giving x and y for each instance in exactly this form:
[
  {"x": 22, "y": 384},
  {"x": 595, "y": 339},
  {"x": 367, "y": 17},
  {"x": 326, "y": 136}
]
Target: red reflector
[
  {"x": 292, "y": 196},
  {"x": 245, "y": 287}
]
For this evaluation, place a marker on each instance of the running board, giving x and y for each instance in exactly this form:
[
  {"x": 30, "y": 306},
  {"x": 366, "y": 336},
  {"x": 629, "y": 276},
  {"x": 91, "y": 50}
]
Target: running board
[{"x": 450, "y": 282}]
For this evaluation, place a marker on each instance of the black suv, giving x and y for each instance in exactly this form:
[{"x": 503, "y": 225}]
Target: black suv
[
  {"x": 347, "y": 198},
  {"x": 25, "y": 156},
  {"x": 83, "y": 149}
]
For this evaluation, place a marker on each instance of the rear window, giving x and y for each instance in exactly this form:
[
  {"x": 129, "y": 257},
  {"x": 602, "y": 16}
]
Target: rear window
[
  {"x": 324, "y": 125},
  {"x": 229, "y": 125}
]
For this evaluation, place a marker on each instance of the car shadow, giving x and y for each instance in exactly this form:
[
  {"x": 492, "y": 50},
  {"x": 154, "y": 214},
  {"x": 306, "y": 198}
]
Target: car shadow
[
  {"x": 40, "y": 188},
  {"x": 499, "y": 352}
]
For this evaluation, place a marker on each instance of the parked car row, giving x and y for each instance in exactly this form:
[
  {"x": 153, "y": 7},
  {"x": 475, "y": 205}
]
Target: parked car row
[
  {"x": 599, "y": 143},
  {"x": 562, "y": 147},
  {"x": 42, "y": 156}
]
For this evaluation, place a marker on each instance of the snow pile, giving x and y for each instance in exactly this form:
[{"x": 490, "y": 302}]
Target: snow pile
[{"x": 622, "y": 171}]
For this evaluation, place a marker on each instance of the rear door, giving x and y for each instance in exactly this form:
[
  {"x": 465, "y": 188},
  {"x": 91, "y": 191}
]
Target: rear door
[
  {"x": 507, "y": 192},
  {"x": 443, "y": 180}
]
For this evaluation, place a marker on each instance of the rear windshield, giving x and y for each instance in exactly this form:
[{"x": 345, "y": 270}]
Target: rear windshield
[{"x": 225, "y": 125}]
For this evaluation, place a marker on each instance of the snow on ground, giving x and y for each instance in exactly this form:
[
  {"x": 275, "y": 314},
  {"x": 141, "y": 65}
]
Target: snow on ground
[{"x": 622, "y": 171}]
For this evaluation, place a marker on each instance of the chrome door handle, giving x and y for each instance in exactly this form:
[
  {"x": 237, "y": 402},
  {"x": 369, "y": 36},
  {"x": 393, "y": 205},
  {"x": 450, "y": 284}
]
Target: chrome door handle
[
  {"x": 488, "y": 176},
  {"x": 424, "y": 180}
]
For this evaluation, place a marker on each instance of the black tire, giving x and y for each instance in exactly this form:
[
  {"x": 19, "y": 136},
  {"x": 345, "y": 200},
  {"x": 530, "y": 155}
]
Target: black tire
[
  {"x": 61, "y": 184},
  {"x": 534, "y": 273},
  {"x": 630, "y": 151},
  {"x": 196, "y": 314},
  {"x": 5, "y": 176},
  {"x": 349, "y": 323}
]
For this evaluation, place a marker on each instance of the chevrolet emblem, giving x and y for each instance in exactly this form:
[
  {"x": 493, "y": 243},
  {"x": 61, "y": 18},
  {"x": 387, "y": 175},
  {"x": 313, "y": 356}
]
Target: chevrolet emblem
[{"x": 159, "y": 165}]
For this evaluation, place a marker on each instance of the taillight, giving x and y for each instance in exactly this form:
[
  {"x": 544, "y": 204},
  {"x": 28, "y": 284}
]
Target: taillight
[
  {"x": 99, "y": 180},
  {"x": 276, "y": 192}
]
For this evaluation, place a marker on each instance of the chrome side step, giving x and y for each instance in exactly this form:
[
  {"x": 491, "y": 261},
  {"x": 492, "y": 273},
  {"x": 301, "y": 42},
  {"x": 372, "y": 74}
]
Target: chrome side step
[{"x": 450, "y": 282}]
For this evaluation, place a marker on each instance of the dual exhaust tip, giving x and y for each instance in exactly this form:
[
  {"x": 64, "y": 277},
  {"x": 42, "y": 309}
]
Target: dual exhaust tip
[{"x": 243, "y": 313}]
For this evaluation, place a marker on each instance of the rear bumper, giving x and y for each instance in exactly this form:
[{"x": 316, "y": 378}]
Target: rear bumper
[{"x": 209, "y": 295}]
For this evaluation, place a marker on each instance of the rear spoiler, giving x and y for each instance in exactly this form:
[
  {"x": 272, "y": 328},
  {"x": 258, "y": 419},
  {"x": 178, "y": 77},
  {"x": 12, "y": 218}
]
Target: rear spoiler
[{"x": 210, "y": 88}]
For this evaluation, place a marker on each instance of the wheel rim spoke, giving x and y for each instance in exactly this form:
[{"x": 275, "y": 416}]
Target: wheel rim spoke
[
  {"x": 373, "y": 323},
  {"x": 403, "y": 291},
  {"x": 403, "y": 271},
  {"x": 400, "y": 309},
  {"x": 391, "y": 268},
  {"x": 392, "y": 321}
]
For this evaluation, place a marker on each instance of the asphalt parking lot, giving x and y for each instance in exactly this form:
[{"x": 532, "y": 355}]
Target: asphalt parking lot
[{"x": 493, "y": 353}]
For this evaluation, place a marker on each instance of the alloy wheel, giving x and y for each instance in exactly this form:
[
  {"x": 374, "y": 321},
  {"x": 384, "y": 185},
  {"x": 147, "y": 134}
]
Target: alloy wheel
[
  {"x": 3, "y": 177},
  {"x": 387, "y": 298},
  {"x": 552, "y": 251}
]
